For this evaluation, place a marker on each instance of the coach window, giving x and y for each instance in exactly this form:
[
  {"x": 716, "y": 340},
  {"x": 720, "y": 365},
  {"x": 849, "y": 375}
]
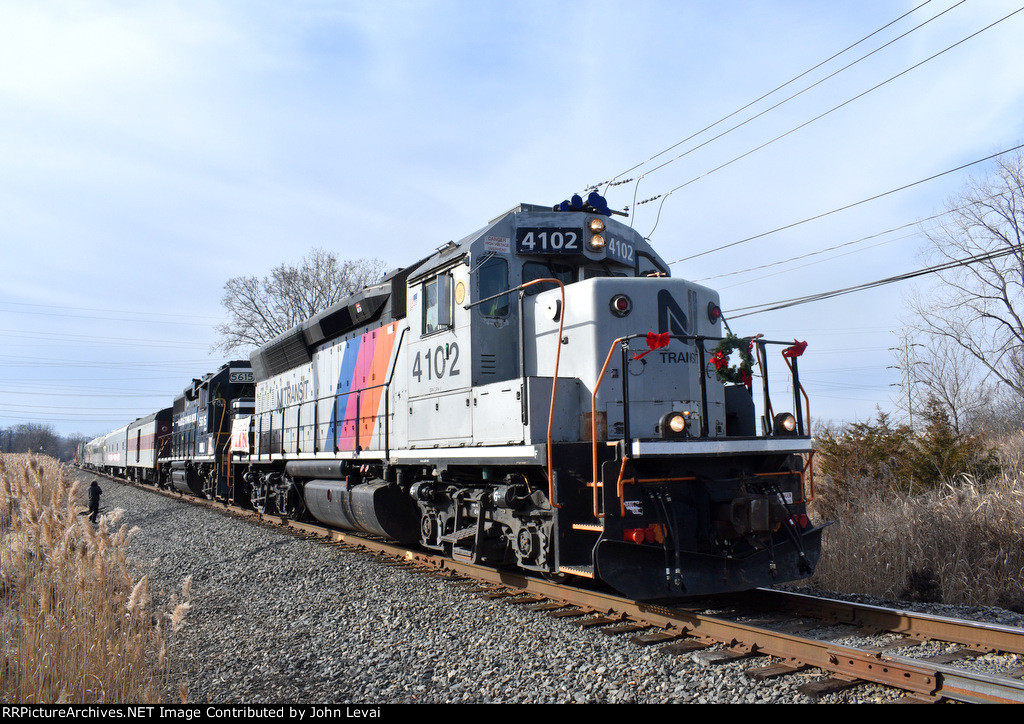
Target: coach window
[
  {"x": 493, "y": 276},
  {"x": 437, "y": 304}
]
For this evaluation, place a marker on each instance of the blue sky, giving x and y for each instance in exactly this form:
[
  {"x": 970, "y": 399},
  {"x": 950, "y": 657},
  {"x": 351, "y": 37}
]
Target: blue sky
[{"x": 151, "y": 150}]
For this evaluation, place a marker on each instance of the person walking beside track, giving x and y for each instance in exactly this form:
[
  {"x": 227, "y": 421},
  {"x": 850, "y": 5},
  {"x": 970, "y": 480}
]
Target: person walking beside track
[{"x": 94, "y": 500}]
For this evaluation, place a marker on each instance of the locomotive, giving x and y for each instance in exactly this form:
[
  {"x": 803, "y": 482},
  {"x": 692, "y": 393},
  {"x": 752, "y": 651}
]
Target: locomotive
[{"x": 541, "y": 394}]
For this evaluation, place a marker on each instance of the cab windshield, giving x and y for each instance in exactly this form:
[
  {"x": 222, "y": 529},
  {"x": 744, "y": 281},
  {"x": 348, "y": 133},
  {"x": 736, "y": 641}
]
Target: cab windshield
[{"x": 546, "y": 270}]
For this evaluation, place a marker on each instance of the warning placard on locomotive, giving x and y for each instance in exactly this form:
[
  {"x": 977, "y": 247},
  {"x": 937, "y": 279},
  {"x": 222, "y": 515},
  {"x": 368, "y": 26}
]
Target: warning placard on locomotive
[{"x": 240, "y": 434}]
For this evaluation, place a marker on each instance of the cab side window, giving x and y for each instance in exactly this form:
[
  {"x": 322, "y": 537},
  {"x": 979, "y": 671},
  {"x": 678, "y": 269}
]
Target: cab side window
[
  {"x": 437, "y": 304},
  {"x": 493, "y": 276},
  {"x": 648, "y": 267},
  {"x": 589, "y": 273}
]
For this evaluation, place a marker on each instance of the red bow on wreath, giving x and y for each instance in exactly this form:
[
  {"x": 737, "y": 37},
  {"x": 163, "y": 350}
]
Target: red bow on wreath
[
  {"x": 796, "y": 350},
  {"x": 654, "y": 341}
]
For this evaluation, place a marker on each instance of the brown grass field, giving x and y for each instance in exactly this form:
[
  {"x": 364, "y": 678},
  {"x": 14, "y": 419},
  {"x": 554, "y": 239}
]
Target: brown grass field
[
  {"x": 960, "y": 543},
  {"x": 78, "y": 625}
]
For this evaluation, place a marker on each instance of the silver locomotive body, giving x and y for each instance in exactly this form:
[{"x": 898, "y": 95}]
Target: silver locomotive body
[{"x": 540, "y": 394}]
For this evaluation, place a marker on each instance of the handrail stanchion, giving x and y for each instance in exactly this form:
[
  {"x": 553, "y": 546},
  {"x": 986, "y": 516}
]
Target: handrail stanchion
[
  {"x": 593, "y": 424},
  {"x": 796, "y": 399},
  {"x": 704, "y": 429},
  {"x": 626, "y": 440},
  {"x": 768, "y": 421}
]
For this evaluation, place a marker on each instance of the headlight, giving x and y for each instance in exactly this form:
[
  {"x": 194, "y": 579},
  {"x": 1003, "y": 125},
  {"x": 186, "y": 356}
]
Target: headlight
[
  {"x": 784, "y": 424},
  {"x": 596, "y": 242},
  {"x": 675, "y": 424}
]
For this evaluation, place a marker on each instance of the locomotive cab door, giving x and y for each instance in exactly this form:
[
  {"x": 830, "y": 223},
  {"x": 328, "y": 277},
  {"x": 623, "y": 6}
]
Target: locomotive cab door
[
  {"x": 438, "y": 360},
  {"x": 495, "y": 322},
  {"x": 498, "y": 394}
]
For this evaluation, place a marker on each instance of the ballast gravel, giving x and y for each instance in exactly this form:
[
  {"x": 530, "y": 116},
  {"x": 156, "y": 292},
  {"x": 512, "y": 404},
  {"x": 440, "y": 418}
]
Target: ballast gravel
[{"x": 279, "y": 619}]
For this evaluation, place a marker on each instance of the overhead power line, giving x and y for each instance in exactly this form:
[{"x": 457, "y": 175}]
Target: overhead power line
[
  {"x": 818, "y": 117},
  {"x": 105, "y": 312},
  {"x": 791, "y": 97},
  {"x": 945, "y": 266},
  {"x": 849, "y": 206},
  {"x": 792, "y": 80},
  {"x": 845, "y": 244},
  {"x": 817, "y": 252}
]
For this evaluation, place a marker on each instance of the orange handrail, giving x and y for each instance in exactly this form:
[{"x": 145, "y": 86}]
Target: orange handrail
[
  {"x": 593, "y": 424},
  {"x": 554, "y": 384},
  {"x": 808, "y": 467}
]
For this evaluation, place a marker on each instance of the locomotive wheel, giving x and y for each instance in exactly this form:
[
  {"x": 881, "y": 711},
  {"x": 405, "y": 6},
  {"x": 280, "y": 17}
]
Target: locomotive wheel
[
  {"x": 293, "y": 505},
  {"x": 262, "y": 502},
  {"x": 428, "y": 529}
]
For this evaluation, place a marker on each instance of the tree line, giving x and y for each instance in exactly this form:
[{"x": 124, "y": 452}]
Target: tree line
[{"x": 40, "y": 439}]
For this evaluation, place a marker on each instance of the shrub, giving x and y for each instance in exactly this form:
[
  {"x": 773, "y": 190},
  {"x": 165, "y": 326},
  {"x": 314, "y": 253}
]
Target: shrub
[
  {"x": 891, "y": 457},
  {"x": 960, "y": 543},
  {"x": 926, "y": 515}
]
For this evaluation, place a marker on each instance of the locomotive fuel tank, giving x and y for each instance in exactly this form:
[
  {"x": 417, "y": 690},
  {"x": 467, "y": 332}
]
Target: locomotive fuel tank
[{"x": 376, "y": 507}]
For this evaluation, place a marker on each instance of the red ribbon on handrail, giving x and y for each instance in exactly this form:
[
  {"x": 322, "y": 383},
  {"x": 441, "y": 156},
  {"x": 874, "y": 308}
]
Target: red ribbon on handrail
[
  {"x": 654, "y": 341},
  {"x": 796, "y": 350}
]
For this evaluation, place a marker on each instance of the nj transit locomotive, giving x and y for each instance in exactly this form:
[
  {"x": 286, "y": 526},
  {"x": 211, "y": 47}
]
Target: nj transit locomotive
[{"x": 541, "y": 394}]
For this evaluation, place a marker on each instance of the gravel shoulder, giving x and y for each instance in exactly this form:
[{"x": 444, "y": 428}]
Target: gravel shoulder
[{"x": 278, "y": 619}]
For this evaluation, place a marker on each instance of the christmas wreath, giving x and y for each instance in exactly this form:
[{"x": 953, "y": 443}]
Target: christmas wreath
[{"x": 734, "y": 374}]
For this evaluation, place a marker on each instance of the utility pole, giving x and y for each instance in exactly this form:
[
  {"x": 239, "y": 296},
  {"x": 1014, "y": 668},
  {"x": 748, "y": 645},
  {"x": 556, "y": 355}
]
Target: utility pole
[{"x": 907, "y": 366}]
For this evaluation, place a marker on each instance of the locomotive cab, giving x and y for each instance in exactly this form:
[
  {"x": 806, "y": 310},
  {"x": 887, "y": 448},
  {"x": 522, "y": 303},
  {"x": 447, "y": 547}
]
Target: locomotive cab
[
  {"x": 196, "y": 460},
  {"x": 690, "y": 489}
]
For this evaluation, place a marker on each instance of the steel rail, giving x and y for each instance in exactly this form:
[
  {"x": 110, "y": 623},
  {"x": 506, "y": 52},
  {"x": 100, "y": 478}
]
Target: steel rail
[{"x": 974, "y": 634}]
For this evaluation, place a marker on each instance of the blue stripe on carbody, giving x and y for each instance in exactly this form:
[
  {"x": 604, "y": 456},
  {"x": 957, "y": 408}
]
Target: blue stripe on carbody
[{"x": 348, "y": 368}]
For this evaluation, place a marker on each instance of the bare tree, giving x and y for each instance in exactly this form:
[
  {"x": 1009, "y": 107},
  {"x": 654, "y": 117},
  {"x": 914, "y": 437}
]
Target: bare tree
[
  {"x": 261, "y": 309},
  {"x": 943, "y": 374},
  {"x": 978, "y": 307}
]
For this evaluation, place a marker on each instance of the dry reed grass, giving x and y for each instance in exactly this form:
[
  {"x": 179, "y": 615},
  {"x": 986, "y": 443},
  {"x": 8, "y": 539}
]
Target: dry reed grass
[
  {"x": 960, "y": 543},
  {"x": 77, "y": 626}
]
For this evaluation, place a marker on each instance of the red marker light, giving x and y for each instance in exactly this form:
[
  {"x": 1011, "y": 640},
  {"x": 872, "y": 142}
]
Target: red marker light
[
  {"x": 621, "y": 305},
  {"x": 637, "y": 535}
]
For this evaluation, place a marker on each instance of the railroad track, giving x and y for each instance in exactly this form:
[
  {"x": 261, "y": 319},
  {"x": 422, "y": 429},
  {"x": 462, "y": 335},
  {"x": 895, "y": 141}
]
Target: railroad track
[{"x": 779, "y": 633}]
